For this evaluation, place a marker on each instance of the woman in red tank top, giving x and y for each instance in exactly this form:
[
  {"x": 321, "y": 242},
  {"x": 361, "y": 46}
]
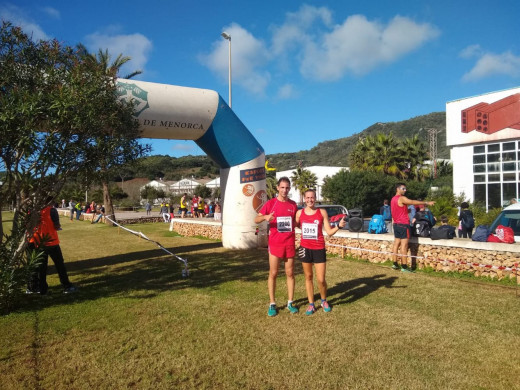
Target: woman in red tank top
[{"x": 312, "y": 221}]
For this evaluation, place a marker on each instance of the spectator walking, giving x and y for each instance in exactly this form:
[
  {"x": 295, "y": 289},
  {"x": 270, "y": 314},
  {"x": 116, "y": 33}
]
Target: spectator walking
[{"x": 148, "y": 208}]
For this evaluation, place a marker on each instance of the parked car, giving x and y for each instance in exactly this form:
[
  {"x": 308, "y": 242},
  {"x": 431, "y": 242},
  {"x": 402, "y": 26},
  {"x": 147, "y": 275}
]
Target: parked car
[{"x": 509, "y": 217}]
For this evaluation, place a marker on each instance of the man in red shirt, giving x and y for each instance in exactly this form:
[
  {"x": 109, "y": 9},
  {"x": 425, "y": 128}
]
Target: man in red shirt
[
  {"x": 280, "y": 212},
  {"x": 399, "y": 206}
]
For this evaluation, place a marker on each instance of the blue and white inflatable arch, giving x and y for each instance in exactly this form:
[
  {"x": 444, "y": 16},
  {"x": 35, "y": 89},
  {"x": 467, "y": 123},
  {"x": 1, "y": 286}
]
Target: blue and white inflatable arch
[{"x": 173, "y": 112}]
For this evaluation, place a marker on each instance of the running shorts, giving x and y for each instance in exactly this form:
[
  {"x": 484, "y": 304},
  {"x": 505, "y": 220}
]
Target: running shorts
[
  {"x": 401, "y": 231},
  {"x": 312, "y": 255},
  {"x": 283, "y": 252}
]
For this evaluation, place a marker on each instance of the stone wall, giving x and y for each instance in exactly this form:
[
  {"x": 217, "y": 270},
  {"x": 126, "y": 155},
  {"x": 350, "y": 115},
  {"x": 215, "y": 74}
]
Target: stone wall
[
  {"x": 493, "y": 260},
  {"x": 193, "y": 227}
]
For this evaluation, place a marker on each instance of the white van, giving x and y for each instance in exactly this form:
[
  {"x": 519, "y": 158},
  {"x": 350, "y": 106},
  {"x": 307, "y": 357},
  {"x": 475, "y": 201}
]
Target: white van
[{"x": 510, "y": 217}]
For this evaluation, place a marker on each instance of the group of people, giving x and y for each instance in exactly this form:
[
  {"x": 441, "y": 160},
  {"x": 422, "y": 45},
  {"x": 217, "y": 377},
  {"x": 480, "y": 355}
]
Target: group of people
[
  {"x": 282, "y": 215},
  {"x": 197, "y": 206},
  {"x": 79, "y": 208}
]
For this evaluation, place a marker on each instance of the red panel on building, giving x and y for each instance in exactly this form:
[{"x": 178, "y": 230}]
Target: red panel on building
[
  {"x": 490, "y": 118},
  {"x": 468, "y": 120},
  {"x": 498, "y": 115}
]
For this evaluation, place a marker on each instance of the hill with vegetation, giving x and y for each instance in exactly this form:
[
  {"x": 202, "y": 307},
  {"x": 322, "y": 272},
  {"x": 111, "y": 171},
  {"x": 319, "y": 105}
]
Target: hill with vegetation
[
  {"x": 336, "y": 152},
  {"x": 328, "y": 153}
]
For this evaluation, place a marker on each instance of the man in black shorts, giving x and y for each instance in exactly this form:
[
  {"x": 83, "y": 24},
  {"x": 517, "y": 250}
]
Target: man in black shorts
[{"x": 399, "y": 206}]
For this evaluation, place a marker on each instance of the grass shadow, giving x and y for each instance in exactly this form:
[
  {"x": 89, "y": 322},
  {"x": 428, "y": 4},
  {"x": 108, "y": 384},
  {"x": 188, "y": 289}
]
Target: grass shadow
[
  {"x": 352, "y": 290},
  {"x": 145, "y": 274}
]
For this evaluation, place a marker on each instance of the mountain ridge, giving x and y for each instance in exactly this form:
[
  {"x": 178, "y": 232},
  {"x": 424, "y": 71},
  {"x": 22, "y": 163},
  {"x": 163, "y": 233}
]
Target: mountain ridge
[{"x": 336, "y": 152}]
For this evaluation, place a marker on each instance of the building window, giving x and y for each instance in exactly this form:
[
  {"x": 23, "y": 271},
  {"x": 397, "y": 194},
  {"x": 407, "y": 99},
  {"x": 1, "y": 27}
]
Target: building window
[{"x": 496, "y": 169}]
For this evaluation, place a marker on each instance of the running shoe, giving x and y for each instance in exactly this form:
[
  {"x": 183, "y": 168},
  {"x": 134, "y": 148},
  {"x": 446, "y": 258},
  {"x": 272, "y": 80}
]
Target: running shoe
[
  {"x": 310, "y": 310},
  {"x": 71, "y": 289},
  {"x": 407, "y": 270},
  {"x": 272, "y": 311},
  {"x": 396, "y": 267},
  {"x": 292, "y": 309},
  {"x": 326, "y": 307}
]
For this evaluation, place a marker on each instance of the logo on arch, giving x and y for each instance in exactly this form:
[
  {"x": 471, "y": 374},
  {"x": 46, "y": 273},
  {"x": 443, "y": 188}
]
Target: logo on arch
[{"x": 135, "y": 94}]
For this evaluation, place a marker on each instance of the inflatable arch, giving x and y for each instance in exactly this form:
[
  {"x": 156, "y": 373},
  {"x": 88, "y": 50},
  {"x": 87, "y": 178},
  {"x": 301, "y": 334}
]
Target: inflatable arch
[{"x": 173, "y": 112}]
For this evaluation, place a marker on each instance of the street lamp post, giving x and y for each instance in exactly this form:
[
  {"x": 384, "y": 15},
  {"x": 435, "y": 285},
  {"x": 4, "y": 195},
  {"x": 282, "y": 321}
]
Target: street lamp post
[{"x": 226, "y": 36}]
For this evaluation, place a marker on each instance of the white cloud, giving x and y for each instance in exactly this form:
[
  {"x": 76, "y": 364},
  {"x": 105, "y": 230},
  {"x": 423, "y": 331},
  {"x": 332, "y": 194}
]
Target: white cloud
[
  {"x": 358, "y": 46},
  {"x": 287, "y": 91},
  {"x": 53, "y": 12},
  {"x": 18, "y": 17},
  {"x": 136, "y": 46},
  {"x": 471, "y": 51},
  {"x": 248, "y": 56},
  {"x": 295, "y": 30},
  {"x": 491, "y": 64},
  {"x": 185, "y": 147},
  {"x": 308, "y": 40}
]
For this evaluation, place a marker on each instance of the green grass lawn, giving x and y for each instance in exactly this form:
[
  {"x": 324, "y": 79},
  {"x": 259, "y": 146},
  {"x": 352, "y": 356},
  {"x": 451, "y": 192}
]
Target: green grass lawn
[{"x": 136, "y": 323}]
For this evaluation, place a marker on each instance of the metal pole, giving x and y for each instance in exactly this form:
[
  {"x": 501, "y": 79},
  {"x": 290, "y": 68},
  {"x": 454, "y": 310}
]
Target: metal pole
[{"x": 226, "y": 36}]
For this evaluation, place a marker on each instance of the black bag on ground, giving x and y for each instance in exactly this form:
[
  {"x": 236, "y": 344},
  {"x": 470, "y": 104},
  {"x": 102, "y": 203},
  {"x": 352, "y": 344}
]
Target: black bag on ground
[{"x": 481, "y": 233}]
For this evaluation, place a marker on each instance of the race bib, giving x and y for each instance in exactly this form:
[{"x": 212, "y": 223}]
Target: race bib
[
  {"x": 309, "y": 231},
  {"x": 284, "y": 224}
]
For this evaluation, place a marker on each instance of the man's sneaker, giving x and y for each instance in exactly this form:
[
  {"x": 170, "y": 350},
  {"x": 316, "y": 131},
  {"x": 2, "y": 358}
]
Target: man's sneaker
[
  {"x": 292, "y": 309},
  {"x": 407, "y": 270},
  {"x": 310, "y": 310},
  {"x": 70, "y": 290},
  {"x": 31, "y": 291},
  {"x": 272, "y": 311},
  {"x": 326, "y": 307},
  {"x": 396, "y": 267}
]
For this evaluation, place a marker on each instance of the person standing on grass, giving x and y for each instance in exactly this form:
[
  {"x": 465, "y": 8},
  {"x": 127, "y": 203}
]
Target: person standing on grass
[
  {"x": 280, "y": 213},
  {"x": 312, "y": 221},
  {"x": 45, "y": 239},
  {"x": 399, "y": 206},
  {"x": 184, "y": 205}
]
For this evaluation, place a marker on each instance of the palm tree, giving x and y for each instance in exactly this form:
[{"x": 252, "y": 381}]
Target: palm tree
[
  {"x": 303, "y": 180},
  {"x": 379, "y": 153},
  {"x": 270, "y": 184},
  {"x": 413, "y": 154},
  {"x": 102, "y": 62}
]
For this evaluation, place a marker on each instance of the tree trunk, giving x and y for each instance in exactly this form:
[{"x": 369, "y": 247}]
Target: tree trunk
[{"x": 107, "y": 200}]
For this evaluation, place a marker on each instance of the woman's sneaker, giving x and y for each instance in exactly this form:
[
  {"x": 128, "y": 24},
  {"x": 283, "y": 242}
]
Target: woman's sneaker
[
  {"x": 271, "y": 312},
  {"x": 310, "y": 310},
  {"x": 326, "y": 307},
  {"x": 292, "y": 309}
]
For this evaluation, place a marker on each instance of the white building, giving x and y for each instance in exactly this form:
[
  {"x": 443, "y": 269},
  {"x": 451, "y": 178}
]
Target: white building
[
  {"x": 483, "y": 133},
  {"x": 320, "y": 172}
]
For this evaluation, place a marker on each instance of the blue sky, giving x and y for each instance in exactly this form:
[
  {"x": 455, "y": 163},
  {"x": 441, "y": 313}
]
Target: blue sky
[{"x": 303, "y": 72}]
